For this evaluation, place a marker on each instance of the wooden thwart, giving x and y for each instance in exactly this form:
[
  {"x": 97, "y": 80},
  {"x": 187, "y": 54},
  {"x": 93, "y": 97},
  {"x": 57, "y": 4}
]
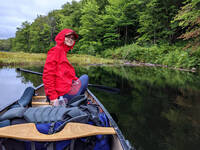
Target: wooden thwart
[{"x": 70, "y": 131}]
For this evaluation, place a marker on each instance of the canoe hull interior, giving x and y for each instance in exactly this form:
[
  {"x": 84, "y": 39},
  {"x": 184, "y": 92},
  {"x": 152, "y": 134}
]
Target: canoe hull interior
[
  {"x": 40, "y": 100},
  {"x": 115, "y": 142}
]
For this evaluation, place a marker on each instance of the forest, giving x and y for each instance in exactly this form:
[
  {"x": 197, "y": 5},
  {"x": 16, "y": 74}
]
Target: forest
[{"x": 163, "y": 32}]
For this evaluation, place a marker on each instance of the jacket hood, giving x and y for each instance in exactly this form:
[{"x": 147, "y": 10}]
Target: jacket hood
[{"x": 60, "y": 38}]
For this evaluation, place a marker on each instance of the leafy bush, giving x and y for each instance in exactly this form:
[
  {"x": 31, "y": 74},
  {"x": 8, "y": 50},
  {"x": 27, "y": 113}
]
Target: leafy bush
[
  {"x": 164, "y": 54},
  {"x": 91, "y": 47}
]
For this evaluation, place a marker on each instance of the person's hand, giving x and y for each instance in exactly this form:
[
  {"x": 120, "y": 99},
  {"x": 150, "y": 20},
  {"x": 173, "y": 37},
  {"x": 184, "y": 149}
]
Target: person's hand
[{"x": 54, "y": 102}]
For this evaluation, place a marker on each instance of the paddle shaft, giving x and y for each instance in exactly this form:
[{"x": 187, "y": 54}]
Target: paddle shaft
[
  {"x": 29, "y": 71},
  {"x": 105, "y": 88}
]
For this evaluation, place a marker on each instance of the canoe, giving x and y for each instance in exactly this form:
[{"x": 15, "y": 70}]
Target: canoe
[{"x": 71, "y": 130}]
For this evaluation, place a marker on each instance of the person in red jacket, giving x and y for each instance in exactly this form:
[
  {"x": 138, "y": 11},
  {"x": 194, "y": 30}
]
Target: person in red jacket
[{"x": 59, "y": 76}]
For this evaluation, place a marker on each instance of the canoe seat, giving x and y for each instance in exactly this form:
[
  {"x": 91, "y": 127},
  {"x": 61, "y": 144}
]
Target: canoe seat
[{"x": 29, "y": 132}]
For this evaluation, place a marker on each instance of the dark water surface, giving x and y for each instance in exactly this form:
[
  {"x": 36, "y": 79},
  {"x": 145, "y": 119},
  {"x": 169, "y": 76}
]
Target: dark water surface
[{"x": 157, "y": 109}]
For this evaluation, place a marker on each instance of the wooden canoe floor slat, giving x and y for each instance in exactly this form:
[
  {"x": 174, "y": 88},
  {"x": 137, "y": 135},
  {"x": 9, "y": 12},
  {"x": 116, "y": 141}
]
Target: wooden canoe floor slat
[
  {"x": 39, "y": 97},
  {"x": 70, "y": 131},
  {"x": 40, "y": 103}
]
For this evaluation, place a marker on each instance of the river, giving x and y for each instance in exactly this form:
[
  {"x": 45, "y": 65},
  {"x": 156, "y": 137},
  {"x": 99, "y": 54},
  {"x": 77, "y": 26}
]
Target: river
[{"x": 156, "y": 109}]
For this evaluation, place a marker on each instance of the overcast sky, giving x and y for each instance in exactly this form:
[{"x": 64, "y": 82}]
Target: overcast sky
[{"x": 14, "y": 12}]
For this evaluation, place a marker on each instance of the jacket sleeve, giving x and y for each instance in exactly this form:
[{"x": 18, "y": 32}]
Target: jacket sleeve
[{"x": 49, "y": 74}]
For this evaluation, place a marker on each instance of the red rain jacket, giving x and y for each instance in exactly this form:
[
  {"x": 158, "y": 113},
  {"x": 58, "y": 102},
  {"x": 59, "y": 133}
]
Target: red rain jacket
[{"x": 58, "y": 73}]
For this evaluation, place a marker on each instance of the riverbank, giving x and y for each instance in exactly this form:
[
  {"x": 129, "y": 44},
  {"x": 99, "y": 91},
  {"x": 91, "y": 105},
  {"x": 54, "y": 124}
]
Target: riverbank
[
  {"x": 164, "y": 55},
  {"x": 31, "y": 59},
  {"x": 135, "y": 63},
  {"x": 21, "y": 59},
  {"x": 18, "y": 59}
]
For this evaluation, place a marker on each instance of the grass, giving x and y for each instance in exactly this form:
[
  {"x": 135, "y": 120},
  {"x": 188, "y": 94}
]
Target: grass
[
  {"x": 21, "y": 58},
  {"x": 82, "y": 59},
  {"x": 32, "y": 59}
]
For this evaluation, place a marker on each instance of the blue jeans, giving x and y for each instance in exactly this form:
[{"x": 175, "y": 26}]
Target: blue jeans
[{"x": 84, "y": 84}]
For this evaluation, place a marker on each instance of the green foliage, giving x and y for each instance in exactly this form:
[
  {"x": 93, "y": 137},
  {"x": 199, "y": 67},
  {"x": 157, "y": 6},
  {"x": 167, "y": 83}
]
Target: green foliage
[
  {"x": 40, "y": 35},
  {"x": 5, "y": 45},
  {"x": 105, "y": 26},
  {"x": 120, "y": 22},
  {"x": 181, "y": 61},
  {"x": 167, "y": 55},
  {"x": 69, "y": 16},
  {"x": 189, "y": 19},
  {"x": 89, "y": 47},
  {"x": 21, "y": 41},
  {"x": 155, "y": 20},
  {"x": 90, "y": 28}
]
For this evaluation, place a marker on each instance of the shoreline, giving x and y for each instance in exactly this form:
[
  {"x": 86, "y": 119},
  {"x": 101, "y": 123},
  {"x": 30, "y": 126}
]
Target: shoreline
[
  {"x": 158, "y": 65},
  {"x": 18, "y": 59}
]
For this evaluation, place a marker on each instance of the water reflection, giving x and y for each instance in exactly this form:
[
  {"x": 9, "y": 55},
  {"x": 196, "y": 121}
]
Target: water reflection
[{"x": 156, "y": 108}]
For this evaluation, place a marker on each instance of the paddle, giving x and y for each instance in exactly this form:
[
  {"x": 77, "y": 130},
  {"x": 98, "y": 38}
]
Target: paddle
[{"x": 102, "y": 87}]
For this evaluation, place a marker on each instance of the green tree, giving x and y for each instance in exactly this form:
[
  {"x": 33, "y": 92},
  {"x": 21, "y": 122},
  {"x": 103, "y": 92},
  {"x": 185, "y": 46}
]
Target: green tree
[
  {"x": 155, "y": 20},
  {"x": 102, "y": 5},
  {"x": 90, "y": 28},
  {"x": 40, "y": 35},
  {"x": 53, "y": 20},
  {"x": 70, "y": 15},
  {"x": 120, "y": 22},
  {"x": 189, "y": 19},
  {"x": 21, "y": 41},
  {"x": 5, "y": 44}
]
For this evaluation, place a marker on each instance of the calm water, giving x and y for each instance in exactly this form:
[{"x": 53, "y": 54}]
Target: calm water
[{"x": 157, "y": 109}]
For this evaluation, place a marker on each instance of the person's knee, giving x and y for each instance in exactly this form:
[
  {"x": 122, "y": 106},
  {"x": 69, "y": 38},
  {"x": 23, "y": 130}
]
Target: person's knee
[
  {"x": 84, "y": 77},
  {"x": 84, "y": 82}
]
